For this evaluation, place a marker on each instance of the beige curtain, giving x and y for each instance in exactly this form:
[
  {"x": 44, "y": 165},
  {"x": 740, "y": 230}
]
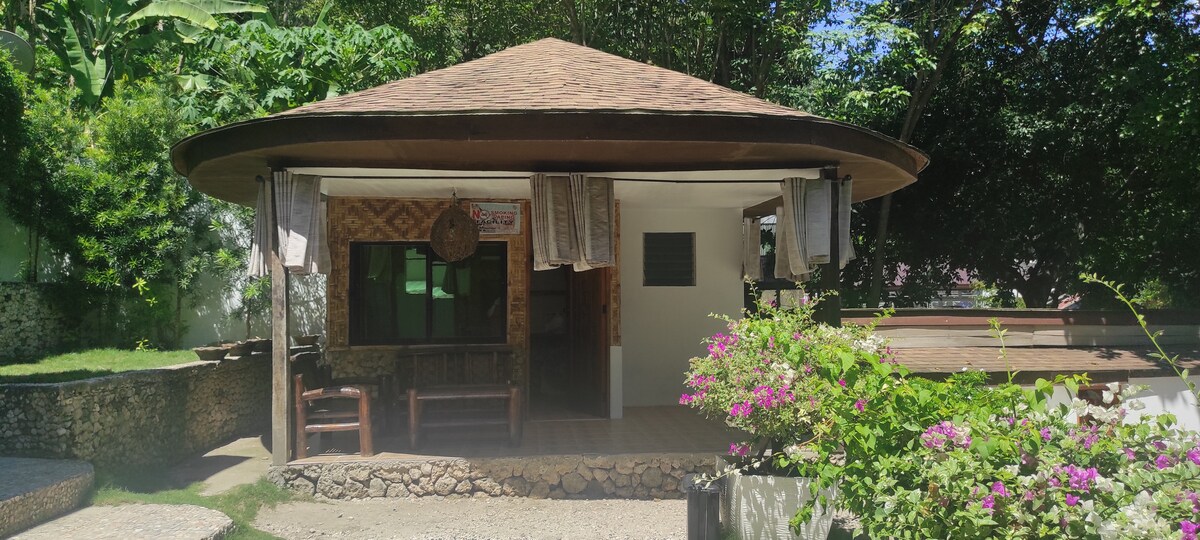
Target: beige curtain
[
  {"x": 260, "y": 236},
  {"x": 803, "y": 226},
  {"x": 301, "y": 223},
  {"x": 573, "y": 220},
  {"x": 752, "y": 248}
]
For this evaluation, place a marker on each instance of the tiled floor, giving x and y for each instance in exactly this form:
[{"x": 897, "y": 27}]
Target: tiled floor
[{"x": 643, "y": 430}]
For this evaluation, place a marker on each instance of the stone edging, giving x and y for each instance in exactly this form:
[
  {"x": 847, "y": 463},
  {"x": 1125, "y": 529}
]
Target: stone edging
[
  {"x": 56, "y": 496},
  {"x": 624, "y": 476}
]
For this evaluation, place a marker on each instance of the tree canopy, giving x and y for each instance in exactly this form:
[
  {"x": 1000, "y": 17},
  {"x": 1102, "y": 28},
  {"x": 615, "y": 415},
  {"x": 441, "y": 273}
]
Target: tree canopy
[{"x": 1059, "y": 131}]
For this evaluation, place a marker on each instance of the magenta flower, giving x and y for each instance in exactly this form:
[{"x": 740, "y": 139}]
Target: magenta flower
[
  {"x": 861, "y": 405},
  {"x": 1163, "y": 461},
  {"x": 999, "y": 489},
  {"x": 1189, "y": 530},
  {"x": 741, "y": 409},
  {"x": 1072, "y": 500},
  {"x": 1193, "y": 455},
  {"x": 842, "y": 382},
  {"x": 988, "y": 503},
  {"x": 1130, "y": 455},
  {"x": 736, "y": 449},
  {"x": 1046, "y": 434},
  {"x": 685, "y": 399}
]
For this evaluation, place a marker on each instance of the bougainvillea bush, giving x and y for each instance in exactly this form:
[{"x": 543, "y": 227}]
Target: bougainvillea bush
[{"x": 917, "y": 458}]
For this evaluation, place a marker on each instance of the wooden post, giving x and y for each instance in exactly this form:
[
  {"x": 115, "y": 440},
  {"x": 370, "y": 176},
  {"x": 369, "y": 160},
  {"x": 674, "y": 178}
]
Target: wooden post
[
  {"x": 831, "y": 274},
  {"x": 281, "y": 442}
]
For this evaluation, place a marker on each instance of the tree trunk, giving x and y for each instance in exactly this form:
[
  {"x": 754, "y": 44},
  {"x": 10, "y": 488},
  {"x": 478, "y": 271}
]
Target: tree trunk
[{"x": 922, "y": 92}]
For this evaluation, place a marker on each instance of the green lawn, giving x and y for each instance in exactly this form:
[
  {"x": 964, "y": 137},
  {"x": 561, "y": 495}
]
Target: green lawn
[
  {"x": 150, "y": 487},
  {"x": 88, "y": 364}
]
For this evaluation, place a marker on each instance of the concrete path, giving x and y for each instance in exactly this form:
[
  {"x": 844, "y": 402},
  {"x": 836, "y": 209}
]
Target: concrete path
[
  {"x": 240, "y": 462},
  {"x": 34, "y": 490},
  {"x": 158, "y": 521}
]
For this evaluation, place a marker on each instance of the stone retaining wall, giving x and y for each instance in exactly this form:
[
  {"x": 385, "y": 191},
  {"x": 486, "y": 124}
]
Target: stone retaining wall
[
  {"x": 625, "y": 476},
  {"x": 30, "y": 323},
  {"x": 136, "y": 418},
  {"x": 34, "y": 490}
]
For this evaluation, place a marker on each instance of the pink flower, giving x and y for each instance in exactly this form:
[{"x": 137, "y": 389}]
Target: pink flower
[
  {"x": 741, "y": 409},
  {"x": 861, "y": 405},
  {"x": 1194, "y": 455},
  {"x": 1163, "y": 461},
  {"x": 842, "y": 382},
  {"x": 1188, "y": 530},
  {"x": 1072, "y": 500},
  {"x": 999, "y": 489},
  {"x": 988, "y": 503},
  {"x": 1046, "y": 434},
  {"x": 736, "y": 449},
  {"x": 1130, "y": 455},
  {"x": 685, "y": 399}
]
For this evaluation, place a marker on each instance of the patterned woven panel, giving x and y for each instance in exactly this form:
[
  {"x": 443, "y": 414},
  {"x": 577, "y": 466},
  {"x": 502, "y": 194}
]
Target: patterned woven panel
[{"x": 394, "y": 220}]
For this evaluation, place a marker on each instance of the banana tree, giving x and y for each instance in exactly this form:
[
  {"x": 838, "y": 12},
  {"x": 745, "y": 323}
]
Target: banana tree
[{"x": 94, "y": 39}]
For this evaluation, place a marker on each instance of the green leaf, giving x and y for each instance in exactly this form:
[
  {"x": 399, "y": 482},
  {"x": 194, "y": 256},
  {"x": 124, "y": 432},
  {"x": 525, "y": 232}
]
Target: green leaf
[{"x": 173, "y": 9}]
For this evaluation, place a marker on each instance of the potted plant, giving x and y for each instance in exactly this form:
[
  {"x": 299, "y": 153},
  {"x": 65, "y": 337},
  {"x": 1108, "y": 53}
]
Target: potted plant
[{"x": 782, "y": 378}]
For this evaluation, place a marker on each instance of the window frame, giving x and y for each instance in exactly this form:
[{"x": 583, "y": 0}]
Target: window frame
[
  {"x": 646, "y": 279},
  {"x": 355, "y": 299}
]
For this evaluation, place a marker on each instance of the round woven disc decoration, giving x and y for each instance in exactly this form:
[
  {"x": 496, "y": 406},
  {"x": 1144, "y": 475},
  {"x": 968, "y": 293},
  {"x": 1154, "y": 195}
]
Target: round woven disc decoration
[{"x": 455, "y": 235}]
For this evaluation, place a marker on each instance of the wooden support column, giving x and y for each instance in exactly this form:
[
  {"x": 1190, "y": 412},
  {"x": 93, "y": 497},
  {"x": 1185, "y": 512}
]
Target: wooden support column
[
  {"x": 831, "y": 274},
  {"x": 281, "y": 442}
]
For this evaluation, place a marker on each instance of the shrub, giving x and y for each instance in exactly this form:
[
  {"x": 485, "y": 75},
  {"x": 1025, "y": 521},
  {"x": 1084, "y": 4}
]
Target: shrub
[{"x": 916, "y": 458}]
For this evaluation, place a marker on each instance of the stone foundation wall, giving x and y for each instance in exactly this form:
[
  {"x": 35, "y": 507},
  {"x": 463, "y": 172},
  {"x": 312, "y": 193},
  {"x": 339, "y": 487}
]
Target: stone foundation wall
[
  {"x": 626, "y": 476},
  {"x": 30, "y": 323},
  {"x": 35, "y": 490},
  {"x": 150, "y": 417}
]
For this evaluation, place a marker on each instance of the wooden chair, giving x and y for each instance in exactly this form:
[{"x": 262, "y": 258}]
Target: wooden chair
[{"x": 324, "y": 405}]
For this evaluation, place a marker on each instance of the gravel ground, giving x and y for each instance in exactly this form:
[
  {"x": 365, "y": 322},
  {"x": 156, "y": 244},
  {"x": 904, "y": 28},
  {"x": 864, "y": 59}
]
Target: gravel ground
[{"x": 498, "y": 518}]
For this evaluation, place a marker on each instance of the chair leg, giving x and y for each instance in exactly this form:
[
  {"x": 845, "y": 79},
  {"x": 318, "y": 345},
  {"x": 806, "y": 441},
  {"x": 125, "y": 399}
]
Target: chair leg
[
  {"x": 514, "y": 416},
  {"x": 365, "y": 446},
  {"x": 414, "y": 418},
  {"x": 301, "y": 419}
]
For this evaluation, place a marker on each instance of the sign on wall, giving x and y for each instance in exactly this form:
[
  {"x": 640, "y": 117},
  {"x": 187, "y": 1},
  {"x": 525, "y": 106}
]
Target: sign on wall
[{"x": 497, "y": 218}]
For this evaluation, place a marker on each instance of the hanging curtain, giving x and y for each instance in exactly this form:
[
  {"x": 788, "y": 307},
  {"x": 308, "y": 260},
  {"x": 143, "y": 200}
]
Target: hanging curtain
[
  {"x": 593, "y": 208},
  {"x": 260, "y": 236},
  {"x": 846, "y": 247},
  {"x": 752, "y": 248},
  {"x": 573, "y": 221},
  {"x": 791, "y": 251},
  {"x": 803, "y": 226},
  {"x": 301, "y": 223},
  {"x": 553, "y": 239}
]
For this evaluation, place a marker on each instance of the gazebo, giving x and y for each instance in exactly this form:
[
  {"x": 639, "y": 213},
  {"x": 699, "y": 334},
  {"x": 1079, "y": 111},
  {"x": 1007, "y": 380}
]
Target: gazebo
[{"x": 615, "y": 203}]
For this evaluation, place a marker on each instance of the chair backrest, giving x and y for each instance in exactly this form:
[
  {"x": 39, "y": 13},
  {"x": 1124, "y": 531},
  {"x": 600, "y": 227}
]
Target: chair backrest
[
  {"x": 468, "y": 364},
  {"x": 305, "y": 365}
]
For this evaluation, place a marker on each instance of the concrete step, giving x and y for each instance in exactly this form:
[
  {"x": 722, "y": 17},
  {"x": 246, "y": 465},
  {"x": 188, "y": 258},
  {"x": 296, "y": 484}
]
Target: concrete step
[
  {"x": 35, "y": 490},
  {"x": 157, "y": 521}
]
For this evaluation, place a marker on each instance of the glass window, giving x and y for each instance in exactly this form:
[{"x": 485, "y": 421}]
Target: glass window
[
  {"x": 405, "y": 293},
  {"x": 669, "y": 259}
]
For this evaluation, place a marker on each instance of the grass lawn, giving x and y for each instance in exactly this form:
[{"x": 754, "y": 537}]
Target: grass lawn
[
  {"x": 241, "y": 504},
  {"x": 88, "y": 364}
]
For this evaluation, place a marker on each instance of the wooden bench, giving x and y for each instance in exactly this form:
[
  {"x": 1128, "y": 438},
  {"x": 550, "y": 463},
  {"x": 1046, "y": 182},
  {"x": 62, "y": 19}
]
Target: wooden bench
[
  {"x": 460, "y": 377},
  {"x": 418, "y": 397}
]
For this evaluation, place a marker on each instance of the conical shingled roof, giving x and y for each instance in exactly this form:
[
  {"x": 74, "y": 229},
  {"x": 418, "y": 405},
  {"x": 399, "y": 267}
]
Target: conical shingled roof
[{"x": 548, "y": 75}]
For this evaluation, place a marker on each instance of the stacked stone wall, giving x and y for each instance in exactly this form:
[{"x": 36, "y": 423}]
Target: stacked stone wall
[
  {"x": 151, "y": 417},
  {"x": 624, "y": 476},
  {"x": 31, "y": 323}
]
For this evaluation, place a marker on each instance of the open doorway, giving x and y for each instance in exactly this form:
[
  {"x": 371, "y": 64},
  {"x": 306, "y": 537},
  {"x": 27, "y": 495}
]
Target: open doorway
[{"x": 568, "y": 344}]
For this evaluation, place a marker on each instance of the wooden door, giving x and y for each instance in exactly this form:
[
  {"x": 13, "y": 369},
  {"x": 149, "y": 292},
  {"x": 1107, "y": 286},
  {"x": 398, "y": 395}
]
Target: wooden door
[{"x": 588, "y": 327}]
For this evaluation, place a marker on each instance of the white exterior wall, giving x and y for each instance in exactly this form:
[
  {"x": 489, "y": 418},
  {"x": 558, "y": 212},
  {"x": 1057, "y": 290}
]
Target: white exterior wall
[
  {"x": 1164, "y": 395},
  {"x": 662, "y": 327}
]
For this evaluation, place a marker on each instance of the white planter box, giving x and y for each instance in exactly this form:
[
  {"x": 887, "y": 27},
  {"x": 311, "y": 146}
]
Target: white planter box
[{"x": 759, "y": 507}]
